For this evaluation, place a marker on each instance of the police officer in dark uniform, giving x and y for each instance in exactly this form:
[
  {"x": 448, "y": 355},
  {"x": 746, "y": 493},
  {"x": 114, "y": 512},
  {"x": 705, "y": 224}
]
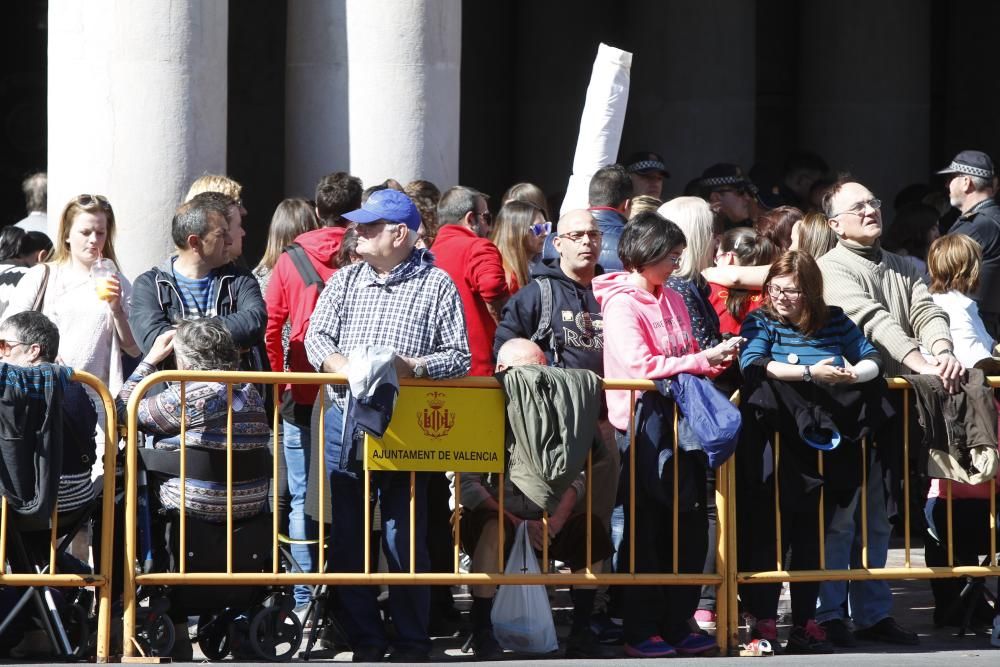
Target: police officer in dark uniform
[{"x": 971, "y": 185}]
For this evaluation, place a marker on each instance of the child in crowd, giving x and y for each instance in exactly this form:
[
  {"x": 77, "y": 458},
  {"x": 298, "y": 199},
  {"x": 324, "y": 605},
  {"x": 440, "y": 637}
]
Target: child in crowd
[{"x": 740, "y": 246}]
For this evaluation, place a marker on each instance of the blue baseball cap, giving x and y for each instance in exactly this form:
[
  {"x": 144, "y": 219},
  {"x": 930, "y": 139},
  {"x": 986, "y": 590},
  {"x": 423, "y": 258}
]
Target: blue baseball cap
[{"x": 389, "y": 206}]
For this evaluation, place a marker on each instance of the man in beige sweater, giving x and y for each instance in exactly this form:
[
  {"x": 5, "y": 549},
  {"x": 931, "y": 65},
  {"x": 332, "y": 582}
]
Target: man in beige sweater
[{"x": 888, "y": 300}]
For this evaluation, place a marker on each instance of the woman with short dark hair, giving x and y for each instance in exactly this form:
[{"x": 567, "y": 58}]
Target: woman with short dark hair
[{"x": 647, "y": 335}]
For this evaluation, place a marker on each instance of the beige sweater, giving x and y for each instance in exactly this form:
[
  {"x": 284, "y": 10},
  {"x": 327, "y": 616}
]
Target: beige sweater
[{"x": 888, "y": 301}]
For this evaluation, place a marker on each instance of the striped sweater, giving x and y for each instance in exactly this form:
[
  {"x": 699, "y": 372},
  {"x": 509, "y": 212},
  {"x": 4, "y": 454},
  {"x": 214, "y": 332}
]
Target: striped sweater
[
  {"x": 888, "y": 300},
  {"x": 769, "y": 338}
]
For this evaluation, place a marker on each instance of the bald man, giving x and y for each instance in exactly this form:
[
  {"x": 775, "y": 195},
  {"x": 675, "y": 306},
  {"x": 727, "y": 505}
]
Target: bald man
[{"x": 519, "y": 352}]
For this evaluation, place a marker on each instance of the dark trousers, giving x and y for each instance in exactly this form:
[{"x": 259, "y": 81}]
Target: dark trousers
[
  {"x": 757, "y": 551},
  {"x": 409, "y": 605},
  {"x": 440, "y": 539},
  {"x": 707, "y": 600},
  {"x": 661, "y": 610}
]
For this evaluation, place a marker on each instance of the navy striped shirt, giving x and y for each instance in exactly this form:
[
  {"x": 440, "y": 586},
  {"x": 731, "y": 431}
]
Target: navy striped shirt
[
  {"x": 198, "y": 294},
  {"x": 769, "y": 338}
]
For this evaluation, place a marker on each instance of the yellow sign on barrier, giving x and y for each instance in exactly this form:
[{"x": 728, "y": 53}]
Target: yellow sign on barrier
[{"x": 436, "y": 429}]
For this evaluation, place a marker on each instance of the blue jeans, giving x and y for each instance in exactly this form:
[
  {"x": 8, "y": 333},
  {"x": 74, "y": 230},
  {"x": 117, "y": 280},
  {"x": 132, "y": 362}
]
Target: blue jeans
[
  {"x": 296, "y": 450},
  {"x": 408, "y": 605},
  {"x": 870, "y": 601}
]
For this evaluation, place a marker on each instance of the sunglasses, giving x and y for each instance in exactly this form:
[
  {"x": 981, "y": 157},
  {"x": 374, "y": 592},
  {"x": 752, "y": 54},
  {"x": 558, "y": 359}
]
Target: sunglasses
[
  {"x": 93, "y": 200},
  {"x": 541, "y": 228}
]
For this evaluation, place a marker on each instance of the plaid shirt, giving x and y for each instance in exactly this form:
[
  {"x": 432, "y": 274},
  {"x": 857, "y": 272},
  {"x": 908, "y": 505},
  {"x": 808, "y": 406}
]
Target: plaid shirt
[{"x": 415, "y": 310}]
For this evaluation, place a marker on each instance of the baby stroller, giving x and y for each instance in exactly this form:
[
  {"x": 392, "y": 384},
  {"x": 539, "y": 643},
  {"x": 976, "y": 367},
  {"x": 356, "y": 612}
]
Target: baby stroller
[
  {"x": 31, "y": 462},
  {"x": 248, "y": 621}
]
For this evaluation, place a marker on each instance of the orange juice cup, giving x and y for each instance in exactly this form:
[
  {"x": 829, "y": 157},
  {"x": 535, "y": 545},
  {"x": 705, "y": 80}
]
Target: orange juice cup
[{"x": 103, "y": 272}]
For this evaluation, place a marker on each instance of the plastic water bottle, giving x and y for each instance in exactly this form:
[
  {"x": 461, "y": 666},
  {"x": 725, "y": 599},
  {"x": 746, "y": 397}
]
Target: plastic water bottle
[{"x": 995, "y": 637}]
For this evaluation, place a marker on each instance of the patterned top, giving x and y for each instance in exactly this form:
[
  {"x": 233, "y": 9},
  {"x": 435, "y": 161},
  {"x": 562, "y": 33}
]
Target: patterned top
[
  {"x": 415, "y": 310},
  {"x": 198, "y": 294},
  {"x": 704, "y": 320},
  {"x": 206, "y": 416}
]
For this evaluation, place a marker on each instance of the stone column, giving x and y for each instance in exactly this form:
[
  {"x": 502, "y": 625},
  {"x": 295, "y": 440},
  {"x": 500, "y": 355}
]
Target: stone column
[
  {"x": 864, "y": 101},
  {"x": 317, "y": 126},
  {"x": 404, "y": 89},
  {"x": 137, "y": 110}
]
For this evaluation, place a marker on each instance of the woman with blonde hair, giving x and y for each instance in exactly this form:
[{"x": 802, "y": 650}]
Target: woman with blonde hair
[
  {"x": 93, "y": 327},
  {"x": 813, "y": 235},
  {"x": 519, "y": 232},
  {"x": 694, "y": 216}
]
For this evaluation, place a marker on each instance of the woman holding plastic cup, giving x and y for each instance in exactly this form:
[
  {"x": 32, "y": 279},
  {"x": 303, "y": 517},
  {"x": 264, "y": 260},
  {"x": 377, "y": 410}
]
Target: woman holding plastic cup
[{"x": 80, "y": 290}]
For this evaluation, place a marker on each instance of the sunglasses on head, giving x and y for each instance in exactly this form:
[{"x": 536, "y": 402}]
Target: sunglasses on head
[
  {"x": 541, "y": 228},
  {"x": 94, "y": 200}
]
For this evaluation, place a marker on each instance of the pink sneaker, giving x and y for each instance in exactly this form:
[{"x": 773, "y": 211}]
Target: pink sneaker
[{"x": 705, "y": 619}]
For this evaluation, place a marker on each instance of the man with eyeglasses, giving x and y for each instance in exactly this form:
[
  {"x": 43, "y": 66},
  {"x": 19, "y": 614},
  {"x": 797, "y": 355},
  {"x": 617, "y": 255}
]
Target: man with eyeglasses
[
  {"x": 729, "y": 193},
  {"x": 885, "y": 296},
  {"x": 462, "y": 250},
  {"x": 558, "y": 311},
  {"x": 971, "y": 182}
]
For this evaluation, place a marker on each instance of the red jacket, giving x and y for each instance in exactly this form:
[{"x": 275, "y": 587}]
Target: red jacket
[
  {"x": 476, "y": 267},
  {"x": 287, "y": 299}
]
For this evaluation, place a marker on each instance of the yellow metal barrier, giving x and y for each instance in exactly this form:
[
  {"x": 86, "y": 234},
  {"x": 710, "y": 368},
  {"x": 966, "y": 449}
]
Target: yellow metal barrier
[
  {"x": 908, "y": 571},
  {"x": 725, "y": 544},
  {"x": 101, "y": 579}
]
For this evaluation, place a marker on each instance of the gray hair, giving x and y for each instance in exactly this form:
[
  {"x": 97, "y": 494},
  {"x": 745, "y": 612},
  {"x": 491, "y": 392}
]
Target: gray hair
[
  {"x": 981, "y": 183},
  {"x": 455, "y": 203},
  {"x": 694, "y": 216},
  {"x": 205, "y": 345},
  {"x": 36, "y": 189},
  {"x": 192, "y": 216}
]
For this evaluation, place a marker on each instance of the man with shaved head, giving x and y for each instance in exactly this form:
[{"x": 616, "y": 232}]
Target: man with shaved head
[
  {"x": 519, "y": 352},
  {"x": 557, "y": 310}
]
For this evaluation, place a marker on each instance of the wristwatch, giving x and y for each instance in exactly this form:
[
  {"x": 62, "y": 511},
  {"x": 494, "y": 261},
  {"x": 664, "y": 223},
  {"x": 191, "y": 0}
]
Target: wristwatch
[
  {"x": 420, "y": 369},
  {"x": 807, "y": 375}
]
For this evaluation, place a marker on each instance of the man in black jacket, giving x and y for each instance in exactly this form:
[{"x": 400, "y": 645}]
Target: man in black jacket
[
  {"x": 200, "y": 281},
  {"x": 557, "y": 310},
  {"x": 971, "y": 186}
]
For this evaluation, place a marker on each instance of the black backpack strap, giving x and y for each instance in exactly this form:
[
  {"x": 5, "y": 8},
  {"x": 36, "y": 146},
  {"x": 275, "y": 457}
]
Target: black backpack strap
[
  {"x": 544, "y": 332},
  {"x": 305, "y": 268}
]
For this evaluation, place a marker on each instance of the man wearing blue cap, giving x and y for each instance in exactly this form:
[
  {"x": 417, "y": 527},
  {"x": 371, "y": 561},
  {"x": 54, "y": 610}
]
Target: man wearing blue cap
[
  {"x": 970, "y": 189},
  {"x": 394, "y": 298}
]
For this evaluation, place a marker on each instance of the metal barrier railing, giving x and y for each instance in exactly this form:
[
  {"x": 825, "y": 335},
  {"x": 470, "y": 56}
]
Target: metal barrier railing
[
  {"x": 727, "y": 576},
  {"x": 735, "y": 576},
  {"x": 100, "y": 580},
  {"x": 455, "y": 577}
]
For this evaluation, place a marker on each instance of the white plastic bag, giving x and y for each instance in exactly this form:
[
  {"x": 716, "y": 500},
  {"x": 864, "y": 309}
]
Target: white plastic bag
[{"x": 522, "y": 617}]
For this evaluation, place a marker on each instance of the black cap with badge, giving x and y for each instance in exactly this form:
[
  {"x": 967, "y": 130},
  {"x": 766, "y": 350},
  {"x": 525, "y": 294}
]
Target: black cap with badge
[{"x": 971, "y": 163}]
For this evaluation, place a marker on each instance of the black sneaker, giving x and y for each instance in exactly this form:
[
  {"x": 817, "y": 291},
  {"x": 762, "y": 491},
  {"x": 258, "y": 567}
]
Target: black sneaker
[
  {"x": 368, "y": 654},
  {"x": 888, "y": 631},
  {"x": 485, "y": 646},
  {"x": 838, "y": 634},
  {"x": 808, "y": 639},
  {"x": 585, "y": 645}
]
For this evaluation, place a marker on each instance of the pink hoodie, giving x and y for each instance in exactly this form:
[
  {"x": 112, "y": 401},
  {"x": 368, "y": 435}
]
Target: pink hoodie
[{"x": 646, "y": 336}]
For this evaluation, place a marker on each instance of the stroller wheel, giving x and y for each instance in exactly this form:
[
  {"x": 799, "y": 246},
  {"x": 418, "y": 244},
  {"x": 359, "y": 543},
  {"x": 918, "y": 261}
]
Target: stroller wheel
[
  {"x": 213, "y": 635},
  {"x": 156, "y": 635},
  {"x": 275, "y": 634}
]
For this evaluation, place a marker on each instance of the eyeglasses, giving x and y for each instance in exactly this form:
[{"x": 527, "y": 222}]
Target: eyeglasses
[
  {"x": 859, "y": 208},
  {"x": 486, "y": 216},
  {"x": 7, "y": 346},
  {"x": 789, "y": 293},
  {"x": 372, "y": 229},
  {"x": 541, "y": 228},
  {"x": 93, "y": 200},
  {"x": 593, "y": 235},
  {"x": 673, "y": 259}
]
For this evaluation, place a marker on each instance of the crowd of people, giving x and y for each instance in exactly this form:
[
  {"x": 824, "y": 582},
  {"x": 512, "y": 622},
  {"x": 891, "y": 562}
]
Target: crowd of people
[{"x": 794, "y": 292}]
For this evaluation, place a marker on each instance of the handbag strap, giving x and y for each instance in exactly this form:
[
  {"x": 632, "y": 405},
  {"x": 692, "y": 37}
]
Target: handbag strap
[{"x": 40, "y": 297}]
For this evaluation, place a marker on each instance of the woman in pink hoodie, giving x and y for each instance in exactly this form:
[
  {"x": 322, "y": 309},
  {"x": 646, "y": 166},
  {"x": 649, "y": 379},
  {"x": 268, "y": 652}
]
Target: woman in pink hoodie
[{"x": 647, "y": 335}]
